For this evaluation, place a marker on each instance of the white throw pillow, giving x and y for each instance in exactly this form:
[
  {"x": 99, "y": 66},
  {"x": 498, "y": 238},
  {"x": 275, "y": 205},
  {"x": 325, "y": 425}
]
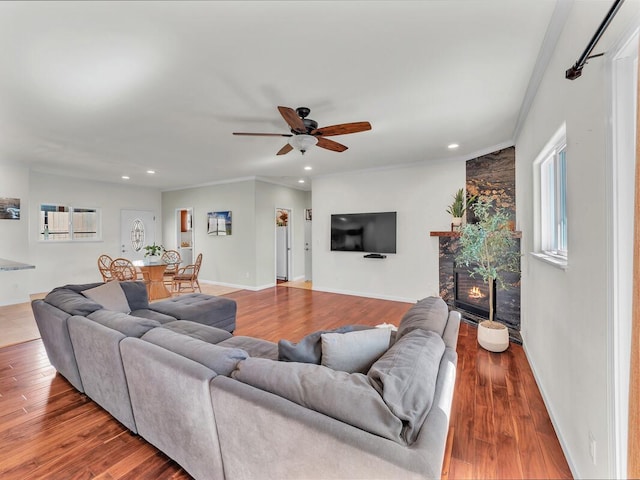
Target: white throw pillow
[
  {"x": 354, "y": 352},
  {"x": 110, "y": 296}
]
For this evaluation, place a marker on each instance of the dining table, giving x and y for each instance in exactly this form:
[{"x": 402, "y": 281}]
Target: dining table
[{"x": 155, "y": 273}]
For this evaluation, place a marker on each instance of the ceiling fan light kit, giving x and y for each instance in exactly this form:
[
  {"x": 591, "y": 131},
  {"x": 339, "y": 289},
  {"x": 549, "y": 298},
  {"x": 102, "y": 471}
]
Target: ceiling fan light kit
[
  {"x": 302, "y": 142},
  {"x": 305, "y": 132}
]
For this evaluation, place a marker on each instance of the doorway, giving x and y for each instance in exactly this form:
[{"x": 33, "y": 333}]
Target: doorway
[
  {"x": 283, "y": 222},
  {"x": 137, "y": 229},
  {"x": 184, "y": 233}
]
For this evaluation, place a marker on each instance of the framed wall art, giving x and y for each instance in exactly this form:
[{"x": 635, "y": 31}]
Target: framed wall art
[
  {"x": 219, "y": 223},
  {"x": 9, "y": 208}
]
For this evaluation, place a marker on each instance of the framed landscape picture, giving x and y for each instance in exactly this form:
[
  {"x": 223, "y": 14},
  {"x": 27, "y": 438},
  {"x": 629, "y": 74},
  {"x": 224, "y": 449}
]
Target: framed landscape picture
[
  {"x": 9, "y": 208},
  {"x": 219, "y": 223}
]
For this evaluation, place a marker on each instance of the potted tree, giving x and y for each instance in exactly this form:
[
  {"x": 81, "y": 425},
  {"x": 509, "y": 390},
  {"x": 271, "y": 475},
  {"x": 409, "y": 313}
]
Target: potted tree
[
  {"x": 458, "y": 207},
  {"x": 488, "y": 248}
]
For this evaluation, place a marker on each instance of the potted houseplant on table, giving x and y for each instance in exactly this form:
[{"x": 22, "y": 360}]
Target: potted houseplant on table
[
  {"x": 458, "y": 207},
  {"x": 488, "y": 248},
  {"x": 153, "y": 252}
]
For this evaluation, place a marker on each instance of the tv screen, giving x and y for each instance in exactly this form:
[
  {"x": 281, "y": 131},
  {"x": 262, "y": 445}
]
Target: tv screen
[{"x": 364, "y": 232}]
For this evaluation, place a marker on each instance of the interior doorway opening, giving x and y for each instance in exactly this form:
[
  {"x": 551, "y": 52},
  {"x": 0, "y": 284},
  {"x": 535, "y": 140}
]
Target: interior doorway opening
[{"x": 283, "y": 226}]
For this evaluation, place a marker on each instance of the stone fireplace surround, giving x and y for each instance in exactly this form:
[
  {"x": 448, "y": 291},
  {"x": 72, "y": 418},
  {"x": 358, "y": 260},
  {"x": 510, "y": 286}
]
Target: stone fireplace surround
[{"x": 490, "y": 175}]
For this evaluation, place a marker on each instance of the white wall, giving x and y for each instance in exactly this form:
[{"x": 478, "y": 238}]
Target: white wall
[
  {"x": 419, "y": 195},
  {"x": 564, "y": 312},
  {"x": 76, "y": 262},
  {"x": 14, "y": 285}
]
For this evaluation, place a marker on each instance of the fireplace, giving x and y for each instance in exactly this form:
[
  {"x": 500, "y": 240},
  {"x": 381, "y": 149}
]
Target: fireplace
[{"x": 471, "y": 293}]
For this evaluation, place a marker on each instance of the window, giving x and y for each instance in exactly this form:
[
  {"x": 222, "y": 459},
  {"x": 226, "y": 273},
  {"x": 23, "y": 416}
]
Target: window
[
  {"x": 551, "y": 226},
  {"x": 64, "y": 223}
]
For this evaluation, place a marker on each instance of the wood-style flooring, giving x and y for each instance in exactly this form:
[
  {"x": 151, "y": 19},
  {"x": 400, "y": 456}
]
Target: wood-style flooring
[{"x": 499, "y": 425}]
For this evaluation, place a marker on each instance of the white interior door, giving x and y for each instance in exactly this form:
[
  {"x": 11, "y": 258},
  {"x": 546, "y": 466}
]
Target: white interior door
[
  {"x": 307, "y": 250},
  {"x": 137, "y": 229}
]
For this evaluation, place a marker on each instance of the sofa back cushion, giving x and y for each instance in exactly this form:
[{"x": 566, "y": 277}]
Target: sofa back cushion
[
  {"x": 127, "y": 324},
  {"x": 221, "y": 360},
  {"x": 428, "y": 314},
  {"x": 71, "y": 302},
  {"x": 347, "y": 397},
  {"x": 405, "y": 376},
  {"x": 110, "y": 295}
]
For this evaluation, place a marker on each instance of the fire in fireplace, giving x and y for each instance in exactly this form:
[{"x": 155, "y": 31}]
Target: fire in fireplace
[{"x": 471, "y": 293}]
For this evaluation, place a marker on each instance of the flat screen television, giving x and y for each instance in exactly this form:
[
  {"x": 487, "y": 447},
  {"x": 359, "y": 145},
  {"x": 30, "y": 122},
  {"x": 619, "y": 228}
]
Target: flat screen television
[{"x": 364, "y": 232}]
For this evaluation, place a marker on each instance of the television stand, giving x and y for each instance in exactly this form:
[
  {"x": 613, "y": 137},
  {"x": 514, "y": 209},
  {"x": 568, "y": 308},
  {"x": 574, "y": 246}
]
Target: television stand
[{"x": 375, "y": 255}]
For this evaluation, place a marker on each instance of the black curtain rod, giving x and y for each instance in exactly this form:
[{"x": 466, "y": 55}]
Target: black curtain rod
[{"x": 576, "y": 70}]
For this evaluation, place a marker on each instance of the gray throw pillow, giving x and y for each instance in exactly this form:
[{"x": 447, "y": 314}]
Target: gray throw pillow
[
  {"x": 354, "y": 351},
  {"x": 406, "y": 376},
  {"x": 309, "y": 349},
  {"x": 110, "y": 295}
]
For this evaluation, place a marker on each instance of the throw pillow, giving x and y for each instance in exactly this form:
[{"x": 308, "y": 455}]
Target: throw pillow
[
  {"x": 406, "y": 376},
  {"x": 354, "y": 351},
  {"x": 110, "y": 295},
  {"x": 309, "y": 349}
]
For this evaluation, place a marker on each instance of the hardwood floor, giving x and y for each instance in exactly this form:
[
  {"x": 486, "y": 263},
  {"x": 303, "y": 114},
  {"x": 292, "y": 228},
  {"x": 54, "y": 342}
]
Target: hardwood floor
[{"x": 499, "y": 425}]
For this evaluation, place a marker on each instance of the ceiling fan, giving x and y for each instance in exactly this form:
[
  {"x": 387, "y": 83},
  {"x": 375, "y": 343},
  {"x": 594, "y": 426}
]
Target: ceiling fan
[{"x": 305, "y": 132}]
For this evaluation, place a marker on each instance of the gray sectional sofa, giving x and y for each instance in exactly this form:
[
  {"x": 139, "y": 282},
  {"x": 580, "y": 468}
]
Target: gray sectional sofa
[{"x": 343, "y": 404}]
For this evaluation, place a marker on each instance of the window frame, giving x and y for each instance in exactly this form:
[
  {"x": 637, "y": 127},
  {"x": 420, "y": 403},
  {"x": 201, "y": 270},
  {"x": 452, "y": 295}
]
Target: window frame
[
  {"x": 551, "y": 218},
  {"x": 71, "y": 235}
]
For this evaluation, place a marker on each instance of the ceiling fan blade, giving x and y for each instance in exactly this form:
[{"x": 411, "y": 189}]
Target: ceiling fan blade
[
  {"x": 330, "y": 145},
  {"x": 264, "y": 134},
  {"x": 284, "y": 150},
  {"x": 342, "y": 129},
  {"x": 293, "y": 120}
]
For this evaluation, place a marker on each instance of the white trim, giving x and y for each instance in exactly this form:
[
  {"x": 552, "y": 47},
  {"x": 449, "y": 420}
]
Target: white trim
[
  {"x": 365, "y": 294},
  {"x": 620, "y": 64},
  {"x": 556, "y": 261},
  {"x": 241, "y": 287}
]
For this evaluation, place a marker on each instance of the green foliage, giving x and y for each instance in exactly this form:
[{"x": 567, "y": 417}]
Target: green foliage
[
  {"x": 488, "y": 247},
  {"x": 153, "y": 250},
  {"x": 460, "y": 204}
]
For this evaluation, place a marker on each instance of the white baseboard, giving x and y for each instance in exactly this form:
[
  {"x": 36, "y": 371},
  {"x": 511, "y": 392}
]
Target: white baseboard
[
  {"x": 241, "y": 287},
  {"x": 365, "y": 294}
]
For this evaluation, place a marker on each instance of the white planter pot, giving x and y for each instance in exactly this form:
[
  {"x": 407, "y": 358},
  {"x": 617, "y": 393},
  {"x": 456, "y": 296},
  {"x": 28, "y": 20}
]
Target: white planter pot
[
  {"x": 153, "y": 258},
  {"x": 456, "y": 221},
  {"x": 493, "y": 339}
]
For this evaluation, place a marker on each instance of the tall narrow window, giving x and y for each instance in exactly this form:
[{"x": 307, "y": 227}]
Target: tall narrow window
[{"x": 552, "y": 194}]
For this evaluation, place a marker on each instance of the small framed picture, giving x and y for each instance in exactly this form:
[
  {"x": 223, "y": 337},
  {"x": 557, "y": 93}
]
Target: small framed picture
[
  {"x": 307, "y": 214},
  {"x": 9, "y": 208},
  {"x": 219, "y": 223}
]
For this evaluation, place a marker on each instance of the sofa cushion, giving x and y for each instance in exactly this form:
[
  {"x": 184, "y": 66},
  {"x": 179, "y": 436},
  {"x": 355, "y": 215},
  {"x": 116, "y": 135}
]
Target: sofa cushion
[
  {"x": 428, "y": 314},
  {"x": 256, "y": 347},
  {"x": 309, "y": 349},
  {"x": 198, "y": 330},
  {"x": 110, "y": 295},
  {"x": 347, "y": 397},
  {"x": 127, "y": 324},
  {"x": 406, "y": 375},
  {"x": 153, "y": 315},
  {"x": 217, "y": 312},
  {"x": 137, "y": 295},
  {"x": 354, "y": 351},
  {"x": 219, "y": 359},
  {"x": 71, "y": 302}
]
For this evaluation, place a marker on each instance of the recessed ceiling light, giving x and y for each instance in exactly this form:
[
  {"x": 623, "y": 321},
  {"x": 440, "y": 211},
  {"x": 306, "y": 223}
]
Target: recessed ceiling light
[
  {"x": 307, "y": 168},
  {"x": 452, "y": 146},
  {"x": 126, "y": 177},
  {"x": 151, "y": 172},
  {"x": 301, "y": 181}
]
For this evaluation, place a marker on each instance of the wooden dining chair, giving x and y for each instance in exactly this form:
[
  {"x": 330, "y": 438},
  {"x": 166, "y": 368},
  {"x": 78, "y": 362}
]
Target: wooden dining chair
[
  {"x": 172, "y": 259},
  {"x": 187, "y": 277},
  {"x": 123, "y": 270},
  {"x": 104, "y": 265}
]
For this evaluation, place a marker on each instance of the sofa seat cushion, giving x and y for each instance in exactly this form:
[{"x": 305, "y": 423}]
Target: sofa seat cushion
[
  {"x": 71, "y": 302},
  {"x": 428, "y": 314},
  {"x": 126, "y": 324},
  {"x": 309, "y": 349},
  {"x": 348, "y": 397},
  {"x": 110, "y": 295},
  {"x": 153, "y": 315},
  {"x": 217, "y": 312},
  {"x": 406, "y": 376},
  {"x": 198, "y": 330},
  {"x": 221, "y": 360},
  {"x": 354, "y": 352},
  {"x": 256, "y": 347}
]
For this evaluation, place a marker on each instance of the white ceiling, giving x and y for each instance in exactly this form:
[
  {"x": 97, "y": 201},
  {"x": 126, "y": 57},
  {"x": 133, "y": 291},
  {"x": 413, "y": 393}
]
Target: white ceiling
[{"x": 104, "y": 89}]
